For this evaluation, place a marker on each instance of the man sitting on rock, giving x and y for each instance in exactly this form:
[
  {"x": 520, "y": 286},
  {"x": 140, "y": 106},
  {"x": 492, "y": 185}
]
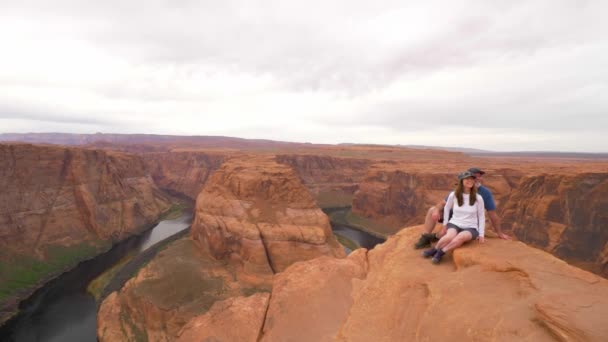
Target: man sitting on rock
[{"x": 435, "y": 214}]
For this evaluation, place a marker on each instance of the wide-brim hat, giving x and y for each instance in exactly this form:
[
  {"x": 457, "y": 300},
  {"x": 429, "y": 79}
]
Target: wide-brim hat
[
  {"x": 475, "y": 170},
  {"x": 465, "y": 174}
]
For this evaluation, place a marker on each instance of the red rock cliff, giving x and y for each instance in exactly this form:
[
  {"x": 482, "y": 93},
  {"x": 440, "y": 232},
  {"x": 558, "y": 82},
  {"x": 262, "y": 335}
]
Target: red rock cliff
[
  {"x": 498, "y": 291},
  {"x": 54, "y": 195},
  {"x": 332, "y": 181},
  {"x": 62, "y": 201},
  {"x": 182, "y": 173},
  {"x": 566, "y": 215},
  {"x": 257, "y": 212},
  {"x": 253, "y": 218}
]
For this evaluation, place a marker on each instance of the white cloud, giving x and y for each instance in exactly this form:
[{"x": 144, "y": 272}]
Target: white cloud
[{"x": 525, "y": 75}]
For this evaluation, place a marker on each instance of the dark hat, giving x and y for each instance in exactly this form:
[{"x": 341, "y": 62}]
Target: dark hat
[
  {"x": 475, "y": 170},
  {"x": 465, "y": 174}
]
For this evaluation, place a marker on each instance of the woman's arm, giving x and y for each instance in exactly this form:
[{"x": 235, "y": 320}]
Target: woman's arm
[
  {"x": 481, "y": 217},
  {"x": 449, "y": 204}
]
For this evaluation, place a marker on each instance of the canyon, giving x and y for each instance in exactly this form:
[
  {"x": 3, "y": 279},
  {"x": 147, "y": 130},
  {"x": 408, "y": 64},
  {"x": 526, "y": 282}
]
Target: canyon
[
  {"x": 261, "y": 256},
  {"x": 564, "y": 215},
  {"x": 253, "y": 219},
  {"x": 62, "y": 205}
]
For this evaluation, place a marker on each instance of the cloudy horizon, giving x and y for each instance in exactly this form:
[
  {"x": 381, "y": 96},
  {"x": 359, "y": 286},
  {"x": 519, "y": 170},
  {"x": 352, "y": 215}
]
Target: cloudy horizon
[{"x": 502, "y": 76}]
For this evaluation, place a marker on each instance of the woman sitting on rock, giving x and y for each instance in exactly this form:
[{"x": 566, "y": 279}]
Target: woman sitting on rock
[{"x": 468, "y": 221}]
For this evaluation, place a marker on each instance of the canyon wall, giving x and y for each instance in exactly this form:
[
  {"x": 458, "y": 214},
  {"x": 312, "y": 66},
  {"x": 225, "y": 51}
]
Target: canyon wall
[
  {"x": 398, "y": 195},
  {"x": 331, "y": 180},
  {"x": 182, "y": 173},
  {"x": 499, "y": 291},
  {"x": 253, "y": 218},
  {"x": 61, "y": 205},
  {"x": 565, "y": 214},
  {"x": 257, "y": 212}
]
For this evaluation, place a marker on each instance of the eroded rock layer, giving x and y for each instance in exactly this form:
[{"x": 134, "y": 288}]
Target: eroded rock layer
[
  {"x": 332, "y": 181},
  {"x": 253, "y": 218},
  {"x": 60, "y": 205},
  {"x": 399, "y": 195},
  {"x": 257, "y": 213},
  {"x": 566, "y": 215},
  {"x": 183, "y": 173},
  {"x": 178, "y": 285},
  {"x": 54, "y": 195},
  {"x": 502, "y": 291}
]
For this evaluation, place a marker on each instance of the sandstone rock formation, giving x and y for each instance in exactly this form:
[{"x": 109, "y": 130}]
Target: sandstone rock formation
[
  {"x": 500, "y": 290},
  {"x": 332, "y": 181},
  {"x": 256, "y": 212},
  {"x": 60, "y": 205},
  {"x": 183, "y": 173},
  {"x": 566, "y": 215},
  {"x": 179, "y": 284},
  {"x": 310, "y": 299},
  {"x": 54, "y": 195},
  {"x": 253, "y": 218},
  {"x": 235, "y": 319},
  {"x": 397, "y": 197}
]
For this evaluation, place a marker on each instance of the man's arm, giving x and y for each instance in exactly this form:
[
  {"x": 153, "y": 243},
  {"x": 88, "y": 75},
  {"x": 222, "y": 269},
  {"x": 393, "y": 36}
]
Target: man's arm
[
  {"x": 437, "y": 210},
  {"x": 496, "y": 225}
]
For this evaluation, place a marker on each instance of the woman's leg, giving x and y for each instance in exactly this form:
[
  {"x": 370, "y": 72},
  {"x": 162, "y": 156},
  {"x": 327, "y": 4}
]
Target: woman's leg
[
  {"x": 447, "y": 238},
  {"x": 456, "y": 242}
]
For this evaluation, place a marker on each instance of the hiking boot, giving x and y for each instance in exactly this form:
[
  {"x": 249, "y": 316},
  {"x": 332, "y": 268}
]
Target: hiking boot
[
  {"x": 437, "y": 257},
  {"x": 434, "y": 237},
  {"x": 425, "y": 240},
  {"x": 429, "y": 252}
]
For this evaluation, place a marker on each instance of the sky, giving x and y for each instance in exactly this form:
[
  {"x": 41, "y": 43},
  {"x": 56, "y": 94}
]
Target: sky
[{"x": 504, "y": 75}]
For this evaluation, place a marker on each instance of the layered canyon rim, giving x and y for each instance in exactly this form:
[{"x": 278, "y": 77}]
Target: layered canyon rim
[
  {"x": 253, "y": 219},
  {"x": 62, "y": 205},
  {"x": 261, "y": 262}
]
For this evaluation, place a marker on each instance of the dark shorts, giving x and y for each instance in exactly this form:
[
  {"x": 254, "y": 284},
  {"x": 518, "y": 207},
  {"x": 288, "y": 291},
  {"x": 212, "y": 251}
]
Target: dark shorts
[{"x": 473, "y": 231}]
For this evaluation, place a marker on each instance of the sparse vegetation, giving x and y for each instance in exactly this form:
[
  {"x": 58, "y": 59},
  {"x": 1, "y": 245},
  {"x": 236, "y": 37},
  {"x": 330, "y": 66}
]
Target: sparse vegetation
[
  {"x": 334, "y": 199},
  {"x": 175, "y": 211},
  {"x": 346, "y": 242},
  {"x": 97, "y": 286},
  {"x": 368, "y": 225},
  {"x": 344, "y": 216},
  {"x": 140, "y": 335},
  {"x": 22, "y": 272}
]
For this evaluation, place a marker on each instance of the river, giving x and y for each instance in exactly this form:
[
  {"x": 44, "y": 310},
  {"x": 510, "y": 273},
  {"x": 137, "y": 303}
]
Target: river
[{"x": 63, "y": 310}]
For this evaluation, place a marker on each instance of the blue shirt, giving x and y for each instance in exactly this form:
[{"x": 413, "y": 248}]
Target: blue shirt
[{"x": 488, "y": 199}]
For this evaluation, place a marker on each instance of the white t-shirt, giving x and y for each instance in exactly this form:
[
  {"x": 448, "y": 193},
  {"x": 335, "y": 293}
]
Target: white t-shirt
[{"x": 466, "y": 216}]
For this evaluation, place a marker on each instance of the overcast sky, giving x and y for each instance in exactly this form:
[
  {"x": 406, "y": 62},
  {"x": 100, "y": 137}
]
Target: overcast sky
[{"x": 504, "y": 75}]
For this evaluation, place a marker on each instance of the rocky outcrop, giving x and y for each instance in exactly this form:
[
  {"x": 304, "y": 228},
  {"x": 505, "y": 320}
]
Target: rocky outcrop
[
  {"x": 499, "y": 290},
  {"x": 178, "y": 285},
  {"x": 398, "y": 195},
  {"x": 235, "y": 319},
  {"x": 252, "y": 219},
  {"x": 54, "y": 195},
  {"x": 397, "y": 198},
  {"x": 254, "y": 216},
  {"x": 315, "y": 294},
  {"x": 257, "y": 214},
  {"x": 332, "y": 181},
  {"x": 182, "y": 173},
  {"x": 60, "y": 205},
  {"x": 566, "y": 215}
]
